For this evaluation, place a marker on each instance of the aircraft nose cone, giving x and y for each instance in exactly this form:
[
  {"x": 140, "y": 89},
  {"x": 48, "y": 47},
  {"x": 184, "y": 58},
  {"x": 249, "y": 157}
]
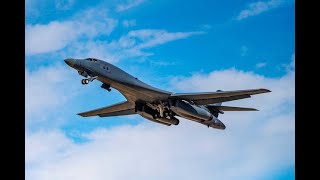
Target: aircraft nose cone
[
  {"x": 70, "y": 62},
  {"x": 223, "y": 126}
]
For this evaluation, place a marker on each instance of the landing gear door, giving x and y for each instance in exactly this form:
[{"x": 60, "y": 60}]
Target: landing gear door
[{"x": 83, "y": 73}]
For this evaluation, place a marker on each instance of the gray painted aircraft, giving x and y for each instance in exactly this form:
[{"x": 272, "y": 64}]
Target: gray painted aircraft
[{"x": 155, "y": 104}]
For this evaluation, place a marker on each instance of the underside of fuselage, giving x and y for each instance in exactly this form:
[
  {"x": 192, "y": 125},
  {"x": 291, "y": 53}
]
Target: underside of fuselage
[{"x": 157, "y": 107}]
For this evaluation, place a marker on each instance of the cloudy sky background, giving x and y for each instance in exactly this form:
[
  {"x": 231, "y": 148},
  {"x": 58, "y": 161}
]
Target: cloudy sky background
[{"x": 178, "y": 46}]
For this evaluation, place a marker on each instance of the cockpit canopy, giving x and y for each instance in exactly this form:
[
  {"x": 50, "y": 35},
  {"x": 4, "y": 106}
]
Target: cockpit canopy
[{"x": 91, "y": 59}]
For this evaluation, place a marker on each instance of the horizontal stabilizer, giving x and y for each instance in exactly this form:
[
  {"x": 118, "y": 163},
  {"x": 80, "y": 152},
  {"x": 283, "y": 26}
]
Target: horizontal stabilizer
[{"x": 231, "y": 108}]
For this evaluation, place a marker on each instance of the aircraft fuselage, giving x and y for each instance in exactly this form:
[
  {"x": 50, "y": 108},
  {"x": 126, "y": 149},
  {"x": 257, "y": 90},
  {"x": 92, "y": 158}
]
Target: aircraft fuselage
[{"x": 152, "y": 103}]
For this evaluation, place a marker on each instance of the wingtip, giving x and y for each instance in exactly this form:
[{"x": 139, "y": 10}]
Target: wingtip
[
  {"x": 81, "y": 114},
  {"x": 265, "y": 90}
]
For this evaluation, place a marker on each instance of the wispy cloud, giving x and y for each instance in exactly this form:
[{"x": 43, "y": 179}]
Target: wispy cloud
[
  {"x": 259, "y": 7},
  {"x": 288, "y": 67},
  {"x": 129, "y": 23},
  {"x": 261, "y": 65},
  {"x": 132, "y": 44},
  {"x": 37, "y": 9},
  {"x": 163, "y": 63},
  {"x": 205, "y": 26},
  {"x": 64, "y": 4},
  {"x": 153, "y": 37},
  {"x": 128, "y": 5}
]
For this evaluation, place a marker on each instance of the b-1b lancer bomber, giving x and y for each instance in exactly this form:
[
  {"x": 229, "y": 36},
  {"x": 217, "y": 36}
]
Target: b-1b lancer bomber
[{"x": 155, "y": 104}]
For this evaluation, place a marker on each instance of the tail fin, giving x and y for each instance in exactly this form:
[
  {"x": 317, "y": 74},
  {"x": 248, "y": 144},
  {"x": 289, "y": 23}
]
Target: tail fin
[
  {"x": 217, "y": 108},
  {"x": 215, "y": 111},
  {"x": 220, "y": 103}
]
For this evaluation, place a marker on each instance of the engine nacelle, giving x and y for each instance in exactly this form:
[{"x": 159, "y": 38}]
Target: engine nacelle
[
  {"x": 189, "y": 111},
  {"x": 216, "y": 123},
  {"x": 196, "y": 113}
]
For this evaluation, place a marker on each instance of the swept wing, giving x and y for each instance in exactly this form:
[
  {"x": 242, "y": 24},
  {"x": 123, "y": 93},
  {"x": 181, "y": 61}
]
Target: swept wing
[
  {"x": 205, "y": 98},
  {"x": 119, "y": 109}
]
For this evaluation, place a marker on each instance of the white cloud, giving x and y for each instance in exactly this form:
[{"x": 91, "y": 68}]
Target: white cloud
[
  {"x": 261, "y": 65},
  {"x": 43, "y": 38},
  {"x": 244, "y": 50},
  {"x": 288, "y": 67},
  {"x": 129, "y": 23},
  {"x": 50, "y": 37},
  {"x": 49, "y": 146},
  {"x": 259, "y": 7},
  {"x": 150, "y": 151},
  {"x": 189, "y": 150},
  {"x": 129, "y": 4},
  {"x": 46, "y": 89}
]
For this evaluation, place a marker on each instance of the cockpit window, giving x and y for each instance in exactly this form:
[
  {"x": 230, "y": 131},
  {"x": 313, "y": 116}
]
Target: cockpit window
[{"x": 91, "y": 59}]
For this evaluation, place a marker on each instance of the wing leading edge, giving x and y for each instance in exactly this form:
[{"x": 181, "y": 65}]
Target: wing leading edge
[
  {"x": 119, "y": 109},
  {"x": 217, "y": 97}
]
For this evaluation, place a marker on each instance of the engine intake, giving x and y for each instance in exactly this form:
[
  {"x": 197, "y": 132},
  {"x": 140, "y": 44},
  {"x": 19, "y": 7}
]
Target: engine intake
[{"x": 216, "y": 123}]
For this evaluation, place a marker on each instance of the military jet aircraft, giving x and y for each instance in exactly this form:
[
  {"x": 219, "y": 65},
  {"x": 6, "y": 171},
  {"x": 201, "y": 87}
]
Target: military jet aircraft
[{"x": 155, "y": 104}]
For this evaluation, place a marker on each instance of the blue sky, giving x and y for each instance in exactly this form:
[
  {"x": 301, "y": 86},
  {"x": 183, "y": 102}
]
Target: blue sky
[{"x": 178, "y": 46}]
